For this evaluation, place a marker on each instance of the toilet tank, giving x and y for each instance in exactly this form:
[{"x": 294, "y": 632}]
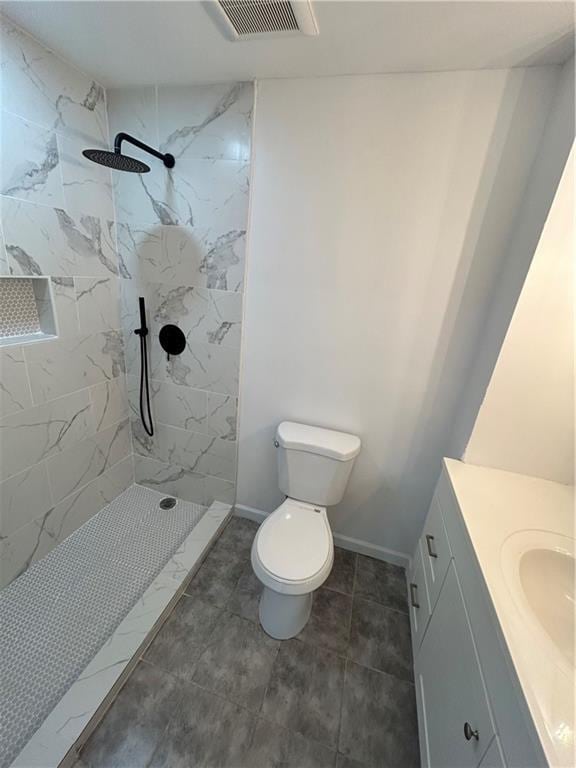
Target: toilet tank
[{"x": 314, "y": 464}]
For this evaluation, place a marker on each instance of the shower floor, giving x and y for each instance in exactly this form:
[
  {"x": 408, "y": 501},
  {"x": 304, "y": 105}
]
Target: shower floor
[{"x": 64, "y": 608}]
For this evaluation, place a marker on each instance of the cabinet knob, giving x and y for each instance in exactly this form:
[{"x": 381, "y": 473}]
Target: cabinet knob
[
  {"x": 431, "y": 551},
  {"x": 469, "y": 732},
  {"x": 414, "y": 595}
]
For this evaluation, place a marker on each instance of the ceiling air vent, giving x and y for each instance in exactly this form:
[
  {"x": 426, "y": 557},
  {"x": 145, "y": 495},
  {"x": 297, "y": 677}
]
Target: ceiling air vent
[{"x": 244, "y": 19}]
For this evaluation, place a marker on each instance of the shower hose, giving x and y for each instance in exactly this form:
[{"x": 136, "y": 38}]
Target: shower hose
[{"x": 145, "y": 388}]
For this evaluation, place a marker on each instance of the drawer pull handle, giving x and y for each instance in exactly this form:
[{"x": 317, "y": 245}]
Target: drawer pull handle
[
  {"x": 413, "y": 595},
  {"x": 469, "y": 732},
  {"x": 429, "y": 540}
]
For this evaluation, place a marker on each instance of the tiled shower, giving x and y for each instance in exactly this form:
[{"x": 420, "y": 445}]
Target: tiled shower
[
  {"x": 86, "y": 554},
  {"x": 181, "y": 244},
  {"x": 177, "y": 238}
]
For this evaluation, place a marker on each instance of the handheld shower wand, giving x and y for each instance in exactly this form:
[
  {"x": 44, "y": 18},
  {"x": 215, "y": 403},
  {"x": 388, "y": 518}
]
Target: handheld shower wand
[{"x": 144, "y": 383}]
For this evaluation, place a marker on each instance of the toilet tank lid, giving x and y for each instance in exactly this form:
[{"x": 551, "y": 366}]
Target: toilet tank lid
[{"x": 325, "y": 442}]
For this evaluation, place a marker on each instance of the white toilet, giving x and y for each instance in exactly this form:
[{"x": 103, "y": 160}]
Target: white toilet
[{"x": 293, "y": 551}]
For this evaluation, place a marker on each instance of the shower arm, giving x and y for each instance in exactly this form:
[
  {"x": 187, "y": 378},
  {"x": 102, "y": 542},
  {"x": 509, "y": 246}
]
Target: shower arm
[{"x": 167, "y": 159}]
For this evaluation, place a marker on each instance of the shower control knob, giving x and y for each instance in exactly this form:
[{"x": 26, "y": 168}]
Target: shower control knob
[
  {"x": 172, "y": 340},
  {"x": 276, "y": 444}
]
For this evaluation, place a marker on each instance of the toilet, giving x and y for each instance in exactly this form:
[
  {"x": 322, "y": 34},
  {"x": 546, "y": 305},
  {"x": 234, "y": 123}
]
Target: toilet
[{"x": 293, "y": 550}]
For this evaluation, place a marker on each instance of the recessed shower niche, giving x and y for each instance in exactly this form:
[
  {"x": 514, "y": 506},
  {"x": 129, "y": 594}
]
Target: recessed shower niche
[{"x": 26, "y": 310}]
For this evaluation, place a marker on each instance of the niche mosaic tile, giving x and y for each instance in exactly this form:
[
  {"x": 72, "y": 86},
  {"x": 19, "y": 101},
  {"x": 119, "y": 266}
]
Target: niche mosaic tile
[{"x": 18, "y": 309}]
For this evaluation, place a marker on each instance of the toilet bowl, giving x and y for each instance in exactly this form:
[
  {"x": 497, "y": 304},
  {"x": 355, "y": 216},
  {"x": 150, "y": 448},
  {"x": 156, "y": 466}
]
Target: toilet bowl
[
  {"x": 293, "y": 550},
  {"x": 292, "y": 555}
]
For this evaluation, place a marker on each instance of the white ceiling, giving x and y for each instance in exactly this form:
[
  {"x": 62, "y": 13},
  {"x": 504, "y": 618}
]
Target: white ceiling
[{"x": 130, "y": 42}]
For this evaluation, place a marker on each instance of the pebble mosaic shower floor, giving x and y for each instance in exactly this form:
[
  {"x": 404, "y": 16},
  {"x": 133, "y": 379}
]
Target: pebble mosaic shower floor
[{"x": 57, "y": 615}]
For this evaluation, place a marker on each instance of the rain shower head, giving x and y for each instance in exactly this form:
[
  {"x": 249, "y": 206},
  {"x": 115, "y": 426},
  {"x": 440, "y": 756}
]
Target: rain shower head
[
  {"x": 116, "y": 160},
  {"x": 120, "y": 162}
]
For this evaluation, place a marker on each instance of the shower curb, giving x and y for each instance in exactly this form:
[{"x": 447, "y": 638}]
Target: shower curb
[{"x": 74, "y": 718}]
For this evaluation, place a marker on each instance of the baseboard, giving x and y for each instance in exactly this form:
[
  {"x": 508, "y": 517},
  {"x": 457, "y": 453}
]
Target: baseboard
[{"x": 346, "y": 542}]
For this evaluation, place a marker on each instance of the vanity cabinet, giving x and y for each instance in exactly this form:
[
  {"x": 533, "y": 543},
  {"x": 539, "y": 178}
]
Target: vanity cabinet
[
  {"x": 454, "y": 709},
  {"x": 471, "y": 712},
  {"x": 420, "y": 609}
]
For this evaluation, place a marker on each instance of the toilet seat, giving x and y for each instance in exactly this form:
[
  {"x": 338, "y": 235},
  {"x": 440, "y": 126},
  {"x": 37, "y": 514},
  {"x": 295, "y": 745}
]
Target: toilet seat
[{"x": 293, "y": 550}]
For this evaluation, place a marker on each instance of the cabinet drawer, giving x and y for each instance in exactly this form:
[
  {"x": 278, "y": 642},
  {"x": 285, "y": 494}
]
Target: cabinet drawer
[
  {"x": 455, "y": 720},
  {"x": 418, "y": 600},
  {"x": 436, "y": 551}
]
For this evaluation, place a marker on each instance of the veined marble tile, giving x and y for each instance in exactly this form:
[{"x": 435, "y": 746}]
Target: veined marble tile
[
  {"x": 212, "y": 317},
  {"x": 40, "y": 87},
  {"x": 64, "y": 298},
  {"x": 26, "y": 545},
  {"x": 30, "y": 436},
  {"x": 87, "y": 185},
  {"x": 109, "y": 402},
  {"x": 206, "y": 121},
  {"x": 23, "y": 498},
  {"x": 223, "y": 261},
  {"x": 58, "y": 367},
  {"x": 15, "y": 392},
  {"x": 98, "y": 301},
  {"x": 29, "y": 162},
  {"x": 209, "y": 195},
  {"x": 192, "y": 450},
  {"x": 220, "y": 490},
  {"x": 222, "y": 413},
  {"x": 4, "y": 268},
  {"x": 182, "y": 256},
  {"x": 204, "y": 366},
  {"x": 71, "y": 470},
  {"x": 79, "y": 507},
  {"x": 169, "y": 479},
  {"x": 49, "y": 241},
  {"x": 133, "y": 110},
  {"x": 177, "y": 406}
]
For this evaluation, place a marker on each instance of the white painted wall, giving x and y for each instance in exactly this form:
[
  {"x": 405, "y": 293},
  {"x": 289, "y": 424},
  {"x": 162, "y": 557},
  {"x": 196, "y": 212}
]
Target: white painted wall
[
  {"x": 526, "y": 422},
  {"x": 530, "y": 218},
  {"x": 380, "y": 211}
]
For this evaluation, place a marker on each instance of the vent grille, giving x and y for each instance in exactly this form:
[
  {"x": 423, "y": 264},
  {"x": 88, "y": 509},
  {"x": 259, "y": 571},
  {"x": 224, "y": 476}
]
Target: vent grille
[{"x": 254, "y": 17}]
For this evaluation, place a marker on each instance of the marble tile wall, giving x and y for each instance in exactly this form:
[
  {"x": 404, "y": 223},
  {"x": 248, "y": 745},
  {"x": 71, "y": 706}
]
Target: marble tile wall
[
  {"x": 65, "y": 443},
  {"x": 181, "y": 239}
]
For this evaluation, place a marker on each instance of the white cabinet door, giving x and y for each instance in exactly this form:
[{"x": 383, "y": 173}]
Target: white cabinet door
[
  {"x": 493, "y": 757},
  {"x": 455, "y": 722},
  {"x": 419, "y": 601},
  {"x": 435, "y": 551}
]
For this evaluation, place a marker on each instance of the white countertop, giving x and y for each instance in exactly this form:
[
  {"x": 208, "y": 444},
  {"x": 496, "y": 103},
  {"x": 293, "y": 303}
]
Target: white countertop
[{"x": 495, "y": 506}]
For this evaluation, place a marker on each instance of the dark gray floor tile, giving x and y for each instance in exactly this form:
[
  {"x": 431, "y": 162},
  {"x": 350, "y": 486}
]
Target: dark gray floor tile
[
  {"x": 329, "y": 623},
  {"x": 341, "y": 577},
  {"x": 379, "y": 726},
  {"x": 382, "y": 582},
  {"x": 346, "y": 762},
  {"x": 184, "y": 636},
  {"x": 237, "y": 662},
  {"x": 134, "y": 724},
  {"x": 380, "y": 638},
  {"x": 237, "y": 537},
  {"x": 217, "y": 577},
  {"x": 205, "y": 732},
  {"x": 305, "y": 691},
  {"x": 245, "y": 600},
  {"x": 276, "y": 747}
]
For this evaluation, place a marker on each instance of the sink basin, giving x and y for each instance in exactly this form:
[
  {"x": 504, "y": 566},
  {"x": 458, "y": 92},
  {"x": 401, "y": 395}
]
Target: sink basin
[
  {"x": 539, "y": 572},
  {"x": 547, "y": 579}
]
